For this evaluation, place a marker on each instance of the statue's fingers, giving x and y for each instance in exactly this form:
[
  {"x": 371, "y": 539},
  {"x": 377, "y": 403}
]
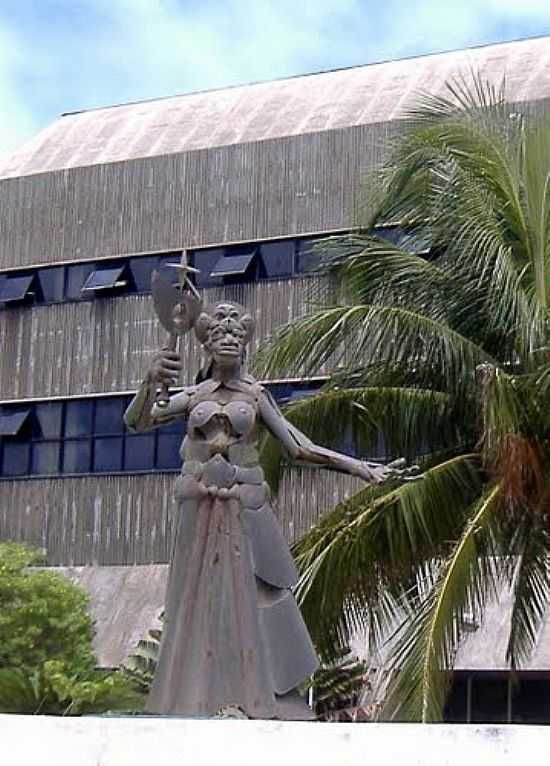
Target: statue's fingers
[
  {"x": 400, "y": 462},
  {"x": 167, "y": 353},
  {"x": 170, "y": 365},
  {"x": 165, "y": 376}
]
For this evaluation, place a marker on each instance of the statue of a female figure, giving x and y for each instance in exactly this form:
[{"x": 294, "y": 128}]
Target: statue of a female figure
[{"x": 233, "y": 634}]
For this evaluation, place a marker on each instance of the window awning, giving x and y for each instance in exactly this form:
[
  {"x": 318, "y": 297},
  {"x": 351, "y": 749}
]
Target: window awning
[
  {"x": 105, "y": 279},
  {"x": 12, "y": 422},
  {"x": 415, "y": 244},
  {"x": 233, "y": 265},
  {"x": 15, "y": 288}
]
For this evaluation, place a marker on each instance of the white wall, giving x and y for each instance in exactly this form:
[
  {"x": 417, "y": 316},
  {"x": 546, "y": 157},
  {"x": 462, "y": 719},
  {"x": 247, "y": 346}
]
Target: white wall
[{"x": 48, "y": 741}]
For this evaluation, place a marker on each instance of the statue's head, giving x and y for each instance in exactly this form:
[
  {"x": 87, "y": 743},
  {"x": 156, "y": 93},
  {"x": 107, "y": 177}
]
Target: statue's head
[{"x": 224, "y": 329}]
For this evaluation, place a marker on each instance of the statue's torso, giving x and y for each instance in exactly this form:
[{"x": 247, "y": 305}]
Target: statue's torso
[{"x": 223, "y": 428}]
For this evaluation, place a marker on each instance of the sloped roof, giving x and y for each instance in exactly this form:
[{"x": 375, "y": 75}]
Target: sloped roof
[
  {"x": 310, "y": 103},
  {"x": 126, "y": 602}
]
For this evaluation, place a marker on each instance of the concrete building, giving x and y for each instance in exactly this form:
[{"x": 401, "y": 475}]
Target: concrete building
[{"x": 244, "y": 178}]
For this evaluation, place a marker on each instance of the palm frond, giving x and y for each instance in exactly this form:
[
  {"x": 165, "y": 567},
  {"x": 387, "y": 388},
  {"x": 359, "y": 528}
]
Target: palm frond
[
  {"x": 536, "y": 169},
  {"x": 531, "y": 589},
  {"x": 377, "y": 333},
  {"x": 467, "y": 95},
  {"x": 370, "y": 547},
  {"x": 425, "y": 653},
  {"x": 368, "y": 421}
]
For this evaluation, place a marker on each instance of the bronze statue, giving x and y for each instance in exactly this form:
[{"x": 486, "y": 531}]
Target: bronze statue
[{"x": 233, "y": 634}]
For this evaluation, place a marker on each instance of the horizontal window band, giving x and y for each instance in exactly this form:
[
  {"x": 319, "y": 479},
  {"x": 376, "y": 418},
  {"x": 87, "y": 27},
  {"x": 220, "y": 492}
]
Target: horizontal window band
[
  {"x": 243, "y": 263},
  {"x": 86, "y": 435},
  {"x": 179, "y": 248}
]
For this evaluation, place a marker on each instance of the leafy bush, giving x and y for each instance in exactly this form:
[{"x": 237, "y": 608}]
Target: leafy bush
[
  {"x": 52, "y": 690},
  {"x": 43, "y": 616},
  {"x": 140, "y": 666},
  {"x": 47, "y": 664}
]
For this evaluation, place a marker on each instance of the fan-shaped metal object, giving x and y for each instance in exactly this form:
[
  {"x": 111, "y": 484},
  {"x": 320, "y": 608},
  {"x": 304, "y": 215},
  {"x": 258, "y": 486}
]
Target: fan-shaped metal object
[{"x": 177, "y": 309}]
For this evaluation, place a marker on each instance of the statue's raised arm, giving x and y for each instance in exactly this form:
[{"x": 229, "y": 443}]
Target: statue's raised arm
[
  {"x": 177, "y": 310},
  {"x": 300, "y": 449}
]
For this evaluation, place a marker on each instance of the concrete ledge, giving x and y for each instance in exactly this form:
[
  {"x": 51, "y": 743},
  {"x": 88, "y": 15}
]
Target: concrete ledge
[{"x": 48, "y": 741}]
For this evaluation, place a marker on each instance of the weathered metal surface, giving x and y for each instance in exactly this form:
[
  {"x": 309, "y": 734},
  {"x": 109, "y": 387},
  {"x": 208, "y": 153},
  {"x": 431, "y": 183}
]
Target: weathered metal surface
[
  {"x": 229, "y": 638},
  {"x": 311, "y": 103},
  {"x": 272, "y": 561}
]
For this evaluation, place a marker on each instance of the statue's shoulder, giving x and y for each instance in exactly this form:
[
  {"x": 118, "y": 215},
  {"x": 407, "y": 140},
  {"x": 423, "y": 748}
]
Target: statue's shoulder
[{"x": 265, "y": 394}]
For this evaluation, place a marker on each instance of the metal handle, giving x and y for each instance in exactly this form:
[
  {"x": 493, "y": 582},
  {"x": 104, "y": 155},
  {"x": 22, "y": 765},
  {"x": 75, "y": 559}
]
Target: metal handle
[{"x": 161, "y": 396}]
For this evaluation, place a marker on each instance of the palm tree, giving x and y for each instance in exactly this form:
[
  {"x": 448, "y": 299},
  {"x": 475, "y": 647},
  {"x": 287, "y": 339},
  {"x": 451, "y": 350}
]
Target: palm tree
[{"x": 448, "y": 357}]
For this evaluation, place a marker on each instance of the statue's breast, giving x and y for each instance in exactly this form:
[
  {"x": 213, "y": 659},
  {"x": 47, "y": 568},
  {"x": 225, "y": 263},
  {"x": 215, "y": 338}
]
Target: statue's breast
[{"x": 238, "y": 416}]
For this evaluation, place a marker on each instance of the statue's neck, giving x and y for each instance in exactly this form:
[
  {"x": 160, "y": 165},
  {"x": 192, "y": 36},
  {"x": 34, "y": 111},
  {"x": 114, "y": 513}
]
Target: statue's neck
[{"x": 225, "y": 373}]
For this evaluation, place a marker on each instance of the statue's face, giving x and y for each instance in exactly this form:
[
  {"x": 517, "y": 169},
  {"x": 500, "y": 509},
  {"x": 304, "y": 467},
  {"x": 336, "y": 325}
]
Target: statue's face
[{"x": 226, "y": 335}]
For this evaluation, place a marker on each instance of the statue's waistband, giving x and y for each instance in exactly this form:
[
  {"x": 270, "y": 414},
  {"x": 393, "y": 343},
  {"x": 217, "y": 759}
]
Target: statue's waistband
[
  {"x": 218, "y": 471},
  {"x": 239, "y": 454}
]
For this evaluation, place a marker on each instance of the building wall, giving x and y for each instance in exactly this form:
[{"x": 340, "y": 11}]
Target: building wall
[
  {"x": 100, "y": 520},
  {"x": 282, "y": 187},
  {"x": 105, "y": 345},
  {"x": 272, "y": 188}
]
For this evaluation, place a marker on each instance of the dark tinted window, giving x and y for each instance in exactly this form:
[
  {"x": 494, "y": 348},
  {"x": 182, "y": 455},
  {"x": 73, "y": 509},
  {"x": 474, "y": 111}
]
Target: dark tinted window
[
  {"x": 531, "y": 700},
  {"x": 108, "y": 415},
  {"x": 52, "y": 283},
  {"x": 277, "y": 259},
  {"x": 281, "y": 392},
  {"x": 174, "y": 256},
  {"x": 489, "y": 700},
  {"x": 45, "y": 457},
  {"x": 48, "y": 418},
  {"x": 206, "y": 260},
  {"x": 16, "y": 288},
  {"x": 457, "y": 701},
  {"x": 233, "y": 266},
  {"x": 15, "y": 458},
  {"x": 176, "y": 427},
  {"x": 139, "y": 452},
  {"x": 105, "y": 278},
  {"x": 308, "y": 254},
  {"x": 108, "y": 453},
  {"x": 141, "y": 269},
  {"x": 168, "y": 451},
  {"x": 76, "y": 277},
  {"x": 78, "y": 417},
  {"x": 77, "y": 456},
  {"x": 14, "y": 422}
]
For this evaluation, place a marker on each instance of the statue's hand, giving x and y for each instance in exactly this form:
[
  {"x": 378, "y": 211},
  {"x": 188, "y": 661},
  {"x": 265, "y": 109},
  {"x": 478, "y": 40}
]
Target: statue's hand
[
  {"x": 379, "y": 473},
  {"x": 165, "y": 368}
]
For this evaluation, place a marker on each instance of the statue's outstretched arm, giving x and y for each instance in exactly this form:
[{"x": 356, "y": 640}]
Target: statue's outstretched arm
[
  {"x": 301, "y": 449},
  {"x": 143, "y": 413}
]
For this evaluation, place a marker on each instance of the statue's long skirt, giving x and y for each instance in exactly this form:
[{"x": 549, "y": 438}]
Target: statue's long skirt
[{"x": 233, "y": 634}]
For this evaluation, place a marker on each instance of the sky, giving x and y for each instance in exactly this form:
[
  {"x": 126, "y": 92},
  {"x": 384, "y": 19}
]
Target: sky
[{"x": 65, "y": 55}]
